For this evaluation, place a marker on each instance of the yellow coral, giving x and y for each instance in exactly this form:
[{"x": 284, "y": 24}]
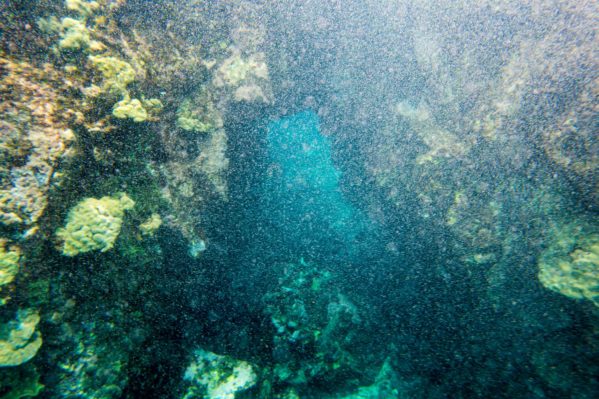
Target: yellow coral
[
  {"x": 19, "y": 342},
  {"x": 9, "y": 263},
  {"x": 74, "y": 35},
  {"x": 117, "y": 73},
  {"x": 84, "y": 8},
  {"x": 571, "y": 265},
  {"x": 94, "y": 224},
  {"x": 149, "y": 227},
  {"x": 132, "y": 109}
]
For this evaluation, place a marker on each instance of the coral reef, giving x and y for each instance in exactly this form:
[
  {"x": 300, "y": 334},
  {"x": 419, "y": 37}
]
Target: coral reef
[
  {"x": 117, "y": 75},
  {"x": 88, "y": 32},
  {"x": 94, "y": 224},
  {"x": 444, "y": 186}
]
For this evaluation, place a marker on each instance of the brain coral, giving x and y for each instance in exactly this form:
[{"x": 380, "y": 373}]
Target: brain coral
[{"x": 94, "y": 224}]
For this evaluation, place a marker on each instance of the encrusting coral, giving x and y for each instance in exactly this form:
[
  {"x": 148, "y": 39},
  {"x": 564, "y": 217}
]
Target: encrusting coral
[{"x": 94, "y": 224}]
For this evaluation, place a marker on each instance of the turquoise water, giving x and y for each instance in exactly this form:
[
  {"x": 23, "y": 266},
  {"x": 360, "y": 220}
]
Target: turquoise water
[{"x": 301, "y": 199}]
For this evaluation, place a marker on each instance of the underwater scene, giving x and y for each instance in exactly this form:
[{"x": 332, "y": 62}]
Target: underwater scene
[{"x": 299, "y": 199}]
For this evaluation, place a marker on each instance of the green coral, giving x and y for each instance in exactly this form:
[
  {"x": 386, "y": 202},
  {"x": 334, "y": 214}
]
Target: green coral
[
  {"x": 570, "y": 265},
  {"x": 19, "y": 342},
  {"x": 94, "y": 224}
]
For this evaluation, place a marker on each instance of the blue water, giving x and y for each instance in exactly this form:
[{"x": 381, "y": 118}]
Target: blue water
[{"x": 301, "y": 198}]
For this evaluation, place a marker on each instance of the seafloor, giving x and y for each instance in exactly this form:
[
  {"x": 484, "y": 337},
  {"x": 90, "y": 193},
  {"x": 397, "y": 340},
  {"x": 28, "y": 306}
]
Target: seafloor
[{"x": 315, "y": 199}]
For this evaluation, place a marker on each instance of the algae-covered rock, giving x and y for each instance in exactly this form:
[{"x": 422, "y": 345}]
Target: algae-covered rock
[
  {"x": 236, "y": 69},
  {"x": 212, "y": 376},
  {"x": 36, "y": 142},
  {"x": 385, "y": 386},
  {"x": 94, "y": 224},
  {"x": 19, "y": 342},
  {"x": 316, "y": 328},
  {"x": 441, "y": 142},
  {"x": 570, "y": 265}
]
